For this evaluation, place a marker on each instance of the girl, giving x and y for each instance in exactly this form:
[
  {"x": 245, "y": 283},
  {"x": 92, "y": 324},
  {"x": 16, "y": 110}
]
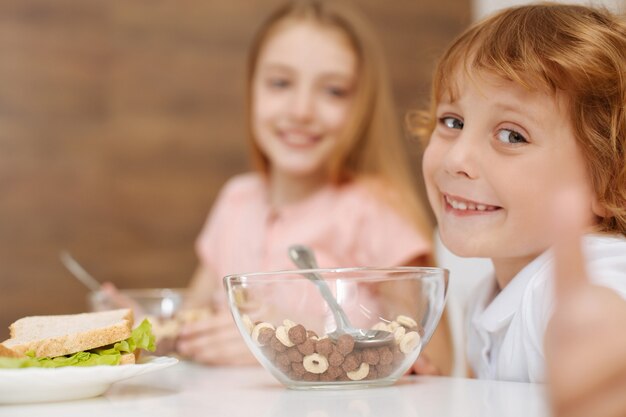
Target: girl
[
  {"x": 525, "y": 104},
  {"x": 331, "y": 171}
]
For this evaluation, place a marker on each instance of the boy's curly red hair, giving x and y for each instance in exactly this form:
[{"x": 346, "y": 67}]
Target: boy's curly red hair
[{"x": 576, "y": 51}]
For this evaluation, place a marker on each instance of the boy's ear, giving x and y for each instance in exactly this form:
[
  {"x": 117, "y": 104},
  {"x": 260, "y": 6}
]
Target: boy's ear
[{"x": 598, "y": 208}]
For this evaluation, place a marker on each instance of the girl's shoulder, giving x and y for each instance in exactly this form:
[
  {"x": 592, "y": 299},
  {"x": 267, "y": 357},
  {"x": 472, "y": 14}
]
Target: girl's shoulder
[
  {"x": 242, "y": 187},
  {"x": 367, "y": 189},
  {"x": 369, "y": 194}
]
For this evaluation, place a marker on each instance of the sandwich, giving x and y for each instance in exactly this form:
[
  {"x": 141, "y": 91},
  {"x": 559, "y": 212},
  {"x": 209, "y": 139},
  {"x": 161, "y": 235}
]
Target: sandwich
[{"x": 88, "y": 339}]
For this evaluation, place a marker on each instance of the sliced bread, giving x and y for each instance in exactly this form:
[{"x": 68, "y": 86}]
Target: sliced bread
[
  {"x": 8, "y": 353},
  {"x": 50, "y": 336}
]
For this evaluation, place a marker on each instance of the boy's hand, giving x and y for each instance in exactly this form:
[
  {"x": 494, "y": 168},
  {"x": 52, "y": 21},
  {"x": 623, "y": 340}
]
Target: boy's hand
[{"x": 586, "y": 337}]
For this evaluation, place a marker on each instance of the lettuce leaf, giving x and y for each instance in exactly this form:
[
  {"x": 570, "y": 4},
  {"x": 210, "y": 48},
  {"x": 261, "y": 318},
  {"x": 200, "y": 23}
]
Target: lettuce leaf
[{"x": 140, "y": 338}]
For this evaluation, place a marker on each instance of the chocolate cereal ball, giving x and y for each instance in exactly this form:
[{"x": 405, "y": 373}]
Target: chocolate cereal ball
[
  {"x": 307, "y": 347},
  {"x": 386, "y": 356},
  {"x": 335, "y": 358},
  {"x": 345, "y": 344},
  {"x": 351, "y": 362},
  {"x": 324, "y": 346},
  {"x": 371, "y": 356},
  {"x": 297, "y": 334}
]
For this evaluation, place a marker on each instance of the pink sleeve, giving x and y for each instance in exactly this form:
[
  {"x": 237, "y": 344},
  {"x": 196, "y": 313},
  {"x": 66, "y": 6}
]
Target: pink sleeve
[
  {"x": 385, "y": 238},
  {"x": 207, "y": 247}
]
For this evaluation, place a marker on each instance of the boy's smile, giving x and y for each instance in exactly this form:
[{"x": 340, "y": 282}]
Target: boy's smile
[{"x": 497, "y": 155}]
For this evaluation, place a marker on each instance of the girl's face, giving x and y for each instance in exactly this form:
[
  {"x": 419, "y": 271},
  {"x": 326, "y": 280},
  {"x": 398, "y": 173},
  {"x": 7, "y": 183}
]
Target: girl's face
[
  {"x": 303, "y": 89},
  {"x": 498, "y": 154}
]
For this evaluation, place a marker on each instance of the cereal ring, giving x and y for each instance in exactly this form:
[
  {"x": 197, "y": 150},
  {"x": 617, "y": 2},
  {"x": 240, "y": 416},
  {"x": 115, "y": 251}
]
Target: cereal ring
[
  {"x": 315, "y": 363},
  {"x": 399, "y": 333},
  {"x": 410, "y": 342},
  {"x": 381, "y": 326},
  {"x": 406, "y": 321},
  {"x": 288, "y": 324},
  {"x": 360, "y": 373},
  {"x": 257, "y": 330},
  {"x": 247, "y": 323},
  {"x": 394, "y": 325},
  {"x": 283, "y": 336}
]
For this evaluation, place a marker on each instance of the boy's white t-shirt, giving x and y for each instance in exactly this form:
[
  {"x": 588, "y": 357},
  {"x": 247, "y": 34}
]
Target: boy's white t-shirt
[{"x": 506, "y": 329}]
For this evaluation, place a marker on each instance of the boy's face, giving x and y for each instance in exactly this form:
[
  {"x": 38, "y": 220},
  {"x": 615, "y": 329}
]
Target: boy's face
[{"x": 497, "y": 156}]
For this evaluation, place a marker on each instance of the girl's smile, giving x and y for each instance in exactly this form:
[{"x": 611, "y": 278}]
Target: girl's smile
[{"x": 298, "y": 138}]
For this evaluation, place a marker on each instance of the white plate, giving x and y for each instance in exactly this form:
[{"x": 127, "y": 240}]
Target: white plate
[{"x": 31, "y": 385}]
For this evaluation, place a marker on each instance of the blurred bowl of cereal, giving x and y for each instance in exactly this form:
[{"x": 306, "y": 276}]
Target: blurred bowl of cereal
[
  {"x": 164, "y": 307},
  {"x": 291, "y": 330}
]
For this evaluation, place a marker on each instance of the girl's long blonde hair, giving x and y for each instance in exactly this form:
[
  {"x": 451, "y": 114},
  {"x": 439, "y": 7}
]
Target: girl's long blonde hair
[
  {"x": 371, "y": 145},
  {"x": 575, "y": 51}
]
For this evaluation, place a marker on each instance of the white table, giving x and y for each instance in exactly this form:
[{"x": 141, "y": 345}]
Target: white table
[{"x": 192, "y": 390}]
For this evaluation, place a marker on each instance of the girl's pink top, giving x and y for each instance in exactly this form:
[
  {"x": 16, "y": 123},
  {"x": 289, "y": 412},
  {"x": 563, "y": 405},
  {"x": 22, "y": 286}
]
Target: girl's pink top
[{"x": 346, "y": 226}]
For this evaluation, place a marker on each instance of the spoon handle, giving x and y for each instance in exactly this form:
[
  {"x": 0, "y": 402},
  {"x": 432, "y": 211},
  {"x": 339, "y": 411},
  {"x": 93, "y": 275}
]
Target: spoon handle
[
  {"x": 303, "y": 257},
  {"x": 79, "y": 272},
  {"x": 341, "y": 319}
]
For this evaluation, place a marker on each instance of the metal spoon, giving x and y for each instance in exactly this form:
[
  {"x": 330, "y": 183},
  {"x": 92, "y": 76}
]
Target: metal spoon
[
  {"x": 79, "y": 272},
  {"x": 303, "y": 257}
]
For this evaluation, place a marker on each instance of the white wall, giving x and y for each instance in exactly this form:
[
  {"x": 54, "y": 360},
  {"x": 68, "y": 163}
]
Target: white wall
[{"x": 481, "y": 8}]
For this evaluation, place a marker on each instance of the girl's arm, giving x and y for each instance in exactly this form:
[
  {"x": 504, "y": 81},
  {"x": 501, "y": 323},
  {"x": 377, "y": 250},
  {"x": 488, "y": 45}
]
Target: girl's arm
[
  {"x": 201, "y": 289},
  {"x": 437, "y": 357},
  {"x": 214, "y": 339}
]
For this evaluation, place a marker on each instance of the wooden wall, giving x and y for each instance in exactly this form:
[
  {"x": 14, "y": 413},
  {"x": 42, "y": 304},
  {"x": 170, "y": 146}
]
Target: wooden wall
[{"x": 120, "y": 120}]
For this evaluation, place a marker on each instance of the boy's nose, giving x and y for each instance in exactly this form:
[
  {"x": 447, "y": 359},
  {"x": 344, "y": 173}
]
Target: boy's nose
[{"x": 461, "y": 160}]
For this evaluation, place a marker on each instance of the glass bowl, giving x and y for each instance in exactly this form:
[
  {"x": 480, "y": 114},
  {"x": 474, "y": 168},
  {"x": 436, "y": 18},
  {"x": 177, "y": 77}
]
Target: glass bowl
[
  {"x": 162, "y": 306},
  {"x": 162, "y": 303},
  {"x": 288, "y": 325}
]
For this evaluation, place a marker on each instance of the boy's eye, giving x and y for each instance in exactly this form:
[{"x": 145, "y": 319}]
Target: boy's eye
[
  {"x": 451, "y": 122},
  {"x": 510, "y": 136}
]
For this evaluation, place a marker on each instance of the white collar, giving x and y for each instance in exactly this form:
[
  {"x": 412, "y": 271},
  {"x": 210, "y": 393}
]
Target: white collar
[{"x": 494, "y": 314}]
